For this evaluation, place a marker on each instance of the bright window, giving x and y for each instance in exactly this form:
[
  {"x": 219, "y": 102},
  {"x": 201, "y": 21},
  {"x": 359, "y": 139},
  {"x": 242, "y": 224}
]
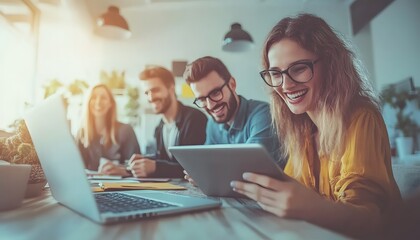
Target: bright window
[{"x": 17, "y": 72}]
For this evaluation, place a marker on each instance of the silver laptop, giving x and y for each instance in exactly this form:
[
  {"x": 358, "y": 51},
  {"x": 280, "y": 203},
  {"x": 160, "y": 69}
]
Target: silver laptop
[{"x": 65, "y": 173}]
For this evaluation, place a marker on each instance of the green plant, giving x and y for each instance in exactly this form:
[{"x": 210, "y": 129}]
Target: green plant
[
  {"x": 74, "y": 88},
  {"x": 114, "y": 80},
  {"x": 133, "y": 105},
  {"x": 77, "y": 87},
  {"x": 52, "y": 87},
  {"x": 407, "y": 125},
  {"x": 398, "y": 100},
  {"x": 19, "y": 149}
]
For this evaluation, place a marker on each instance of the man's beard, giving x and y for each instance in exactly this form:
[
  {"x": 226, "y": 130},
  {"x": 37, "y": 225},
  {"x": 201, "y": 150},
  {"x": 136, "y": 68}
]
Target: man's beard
[
  {"x": 231, "y": 106},
  {"x": 166, "y": 103}
]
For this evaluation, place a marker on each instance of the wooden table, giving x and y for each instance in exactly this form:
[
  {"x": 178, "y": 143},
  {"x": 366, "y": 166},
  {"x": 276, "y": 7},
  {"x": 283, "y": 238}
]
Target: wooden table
[{"x": 43, "y": 218}]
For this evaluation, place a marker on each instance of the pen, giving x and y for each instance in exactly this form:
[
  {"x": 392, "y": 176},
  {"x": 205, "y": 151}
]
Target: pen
[{"x": 149, "y": 156}]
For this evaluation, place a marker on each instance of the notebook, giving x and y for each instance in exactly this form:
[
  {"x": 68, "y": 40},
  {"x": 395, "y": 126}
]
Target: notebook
[{"x": 64, "y": 169}]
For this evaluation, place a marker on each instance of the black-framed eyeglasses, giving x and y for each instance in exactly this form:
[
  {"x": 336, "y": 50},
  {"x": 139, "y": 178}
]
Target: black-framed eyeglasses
[
  {"x": 215, "y": 95},
  {"x": 299, "y": 72}
]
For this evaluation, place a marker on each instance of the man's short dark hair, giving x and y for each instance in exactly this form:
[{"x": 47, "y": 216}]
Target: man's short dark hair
[
  {"x": 201, "y": 67},
  {"x": 158, "y": 72}
]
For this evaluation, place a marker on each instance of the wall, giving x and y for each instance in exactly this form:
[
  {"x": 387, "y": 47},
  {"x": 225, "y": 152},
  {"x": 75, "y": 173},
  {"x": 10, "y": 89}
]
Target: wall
[
  {"x": 396, "y": 38},
  {"x": 163, "y": 33},
  {"x": 362, "y": 44},
  {"x": 197, "y": 30}
]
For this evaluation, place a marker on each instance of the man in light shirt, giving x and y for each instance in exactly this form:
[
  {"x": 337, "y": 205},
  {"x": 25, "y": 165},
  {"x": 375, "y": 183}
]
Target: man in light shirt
[{"x": 180, "y": 125}]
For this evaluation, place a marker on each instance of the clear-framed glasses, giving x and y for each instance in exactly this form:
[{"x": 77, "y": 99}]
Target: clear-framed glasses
[
  {"x": 215, "y": 95},
  {"x": 299, "y": 72}
]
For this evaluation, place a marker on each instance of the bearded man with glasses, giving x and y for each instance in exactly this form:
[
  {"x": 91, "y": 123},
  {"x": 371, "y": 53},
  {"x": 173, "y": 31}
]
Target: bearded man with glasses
[{"x": 235, "y": 119}]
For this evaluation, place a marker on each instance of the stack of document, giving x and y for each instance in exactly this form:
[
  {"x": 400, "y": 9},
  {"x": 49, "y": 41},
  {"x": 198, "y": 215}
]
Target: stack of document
[
  {"x": 100, "y": 182},
  {"x": 113, "y": 186}
]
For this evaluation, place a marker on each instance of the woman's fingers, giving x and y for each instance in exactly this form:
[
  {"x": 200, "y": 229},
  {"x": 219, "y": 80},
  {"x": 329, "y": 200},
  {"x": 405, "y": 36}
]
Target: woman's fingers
[
  {"x": 283, "y": 198},
  {"x": 269, "y": 200},
  {"x": 254, "y": 191},
  {"x": 105, "y": 168},
  {"x": 109, "y": 169},
  {"x": 265, "y": 181},
  {"x": 276, "y": 210}
]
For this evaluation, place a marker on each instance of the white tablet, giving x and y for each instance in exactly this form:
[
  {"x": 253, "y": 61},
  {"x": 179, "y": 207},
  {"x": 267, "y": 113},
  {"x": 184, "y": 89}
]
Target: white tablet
[{"x": 213, "y": 167}]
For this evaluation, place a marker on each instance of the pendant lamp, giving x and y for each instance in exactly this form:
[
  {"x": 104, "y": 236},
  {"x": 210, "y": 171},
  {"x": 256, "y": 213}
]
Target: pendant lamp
[
  {"x": 237, "y": 40},
  {"x": 112, "y": 25}
]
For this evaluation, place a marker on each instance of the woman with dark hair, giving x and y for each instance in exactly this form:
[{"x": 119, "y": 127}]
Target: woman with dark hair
[
  {"x": 333, "y": 132},
  {"x": 101, "y": 136}
]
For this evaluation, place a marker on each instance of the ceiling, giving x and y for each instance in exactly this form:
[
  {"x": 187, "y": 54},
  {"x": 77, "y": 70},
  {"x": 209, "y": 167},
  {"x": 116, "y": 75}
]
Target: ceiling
[
  {"x": 23, "y": 14},
  {"x": 98, "y": 7}
]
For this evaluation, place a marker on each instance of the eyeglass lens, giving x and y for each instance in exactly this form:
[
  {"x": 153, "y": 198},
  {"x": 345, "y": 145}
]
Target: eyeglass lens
[
  {"x": 300, "y": 72},
  {"x": 215, "y": 95}
]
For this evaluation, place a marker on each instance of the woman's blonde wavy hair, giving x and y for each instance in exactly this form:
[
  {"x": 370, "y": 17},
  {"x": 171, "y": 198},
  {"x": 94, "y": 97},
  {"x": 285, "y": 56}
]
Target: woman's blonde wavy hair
[
  {"x": 87, "y": 131},
  {"x": 343, "y": 86}
]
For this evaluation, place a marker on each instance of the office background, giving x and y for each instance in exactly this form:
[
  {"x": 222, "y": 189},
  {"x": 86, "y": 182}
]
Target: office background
[{"x": 66, "y": 46}]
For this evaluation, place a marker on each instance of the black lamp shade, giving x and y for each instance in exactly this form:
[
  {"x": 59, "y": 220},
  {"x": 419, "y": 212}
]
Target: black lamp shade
[
  {"x": 112, "y": 25},
  {"x": 237, "y": 40}
]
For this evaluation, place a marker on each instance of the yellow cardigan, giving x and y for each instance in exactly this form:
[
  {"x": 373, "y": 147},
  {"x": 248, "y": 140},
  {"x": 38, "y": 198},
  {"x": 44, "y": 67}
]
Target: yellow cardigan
[{"x": 363, "y": 175}]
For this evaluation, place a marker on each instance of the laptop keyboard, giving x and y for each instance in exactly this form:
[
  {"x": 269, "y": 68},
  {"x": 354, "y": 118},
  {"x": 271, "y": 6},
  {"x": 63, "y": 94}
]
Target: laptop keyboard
[{"x": 119, "y": 202}]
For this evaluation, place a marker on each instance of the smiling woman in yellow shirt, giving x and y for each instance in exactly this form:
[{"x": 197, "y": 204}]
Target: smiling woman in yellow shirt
[
  {"x": 361, "y": 176},
  {"x": 326, "y": 112}
]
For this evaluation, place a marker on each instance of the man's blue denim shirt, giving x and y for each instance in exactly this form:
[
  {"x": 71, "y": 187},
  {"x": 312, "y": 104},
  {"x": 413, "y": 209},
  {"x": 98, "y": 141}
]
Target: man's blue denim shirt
[{"x": 252, "y": 124}]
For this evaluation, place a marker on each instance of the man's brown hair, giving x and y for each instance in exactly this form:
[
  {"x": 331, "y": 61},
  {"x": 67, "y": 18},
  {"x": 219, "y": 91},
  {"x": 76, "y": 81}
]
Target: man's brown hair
[
  {"x": 158, "y": 72},
  {"x": 203, "y": 66}
]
